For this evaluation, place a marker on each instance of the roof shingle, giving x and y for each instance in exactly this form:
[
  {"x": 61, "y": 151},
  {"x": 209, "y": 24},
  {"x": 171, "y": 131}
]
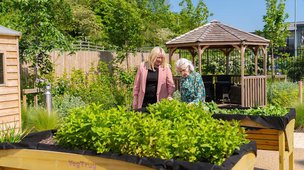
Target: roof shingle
[{"x": 216, "y": 32}]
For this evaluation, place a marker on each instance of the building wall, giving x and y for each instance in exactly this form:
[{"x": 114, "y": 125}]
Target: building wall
[{"x": 10, "y": 112}]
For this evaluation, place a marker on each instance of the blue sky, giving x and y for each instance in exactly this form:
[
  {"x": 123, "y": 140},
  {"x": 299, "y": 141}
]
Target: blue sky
[{"x": 246, "y": 15}]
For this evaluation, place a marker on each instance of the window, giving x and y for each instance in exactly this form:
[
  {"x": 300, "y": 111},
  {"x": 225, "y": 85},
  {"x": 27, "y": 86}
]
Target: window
[{"x": 1, "y": 69}]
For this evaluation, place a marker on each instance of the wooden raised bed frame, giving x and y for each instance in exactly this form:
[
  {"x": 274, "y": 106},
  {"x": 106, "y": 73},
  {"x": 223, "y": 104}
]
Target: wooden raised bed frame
[
  {"x": 17, "y": 159},
  {"x": 274, "y": 140}
]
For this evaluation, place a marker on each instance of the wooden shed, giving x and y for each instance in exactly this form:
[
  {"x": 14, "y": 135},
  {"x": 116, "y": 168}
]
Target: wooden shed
[
  {"x": 10, "y": 111},
  {"x": 215, "y": 35}
]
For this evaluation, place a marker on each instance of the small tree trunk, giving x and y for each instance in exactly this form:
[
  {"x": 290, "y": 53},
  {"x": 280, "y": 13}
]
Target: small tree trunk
[{"x": 272, "y": 65}]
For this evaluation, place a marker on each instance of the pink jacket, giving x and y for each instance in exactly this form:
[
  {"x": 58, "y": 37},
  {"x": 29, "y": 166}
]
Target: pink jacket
[{"x": 165, "y": 85}]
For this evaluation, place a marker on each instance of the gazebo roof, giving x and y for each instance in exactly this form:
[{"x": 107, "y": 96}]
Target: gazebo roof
[
  {"x": 216, "y": 33},
  {"x": 7, "y": 31}
]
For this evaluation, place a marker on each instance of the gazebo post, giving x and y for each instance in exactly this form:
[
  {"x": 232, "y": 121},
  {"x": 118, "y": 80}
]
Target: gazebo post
[
  {"x": 255, "y": 51},
  {"x": 227, "y": 54},
  {"x": 265, "y": 72},
  {"x": 192, "y": 52},
  {"x": 243, "y": 48},
  {"x": 200, "y": 51},
  {"x": 171, "y": 51}
]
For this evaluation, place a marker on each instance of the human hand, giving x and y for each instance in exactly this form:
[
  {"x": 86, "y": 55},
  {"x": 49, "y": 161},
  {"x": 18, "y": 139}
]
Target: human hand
[{"x": 170, "y": 98}]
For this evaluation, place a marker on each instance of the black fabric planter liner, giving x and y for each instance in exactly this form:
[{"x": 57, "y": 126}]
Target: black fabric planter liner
[
  {"x": 273, "y": 122},
  {"x": 32, "y": 140}
]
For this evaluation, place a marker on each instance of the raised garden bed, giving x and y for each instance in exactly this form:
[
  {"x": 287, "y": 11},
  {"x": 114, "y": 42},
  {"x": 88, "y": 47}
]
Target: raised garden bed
[
  {"x": 274, "y": 133},
  {"x": 34, "y": 153}
]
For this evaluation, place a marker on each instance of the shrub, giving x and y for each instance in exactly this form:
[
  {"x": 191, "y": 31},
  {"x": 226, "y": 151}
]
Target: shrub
[
  {"x": 172, "y": 130},
  {"x": 92, "y": 87},
  {"x": 296, "y": 72},
  {"x": 62, "y": 104},
  {"x": 38, "y": 119},
  {"x": 282, "y": 94}
]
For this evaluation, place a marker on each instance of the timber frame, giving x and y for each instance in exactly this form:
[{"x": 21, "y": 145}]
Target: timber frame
[{"x": 215, "y": 35}]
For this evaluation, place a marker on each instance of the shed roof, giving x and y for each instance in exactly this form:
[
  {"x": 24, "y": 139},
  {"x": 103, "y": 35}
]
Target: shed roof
[
  {"x": 7, "y": 31},
  {"x": 216, "y": 32}
]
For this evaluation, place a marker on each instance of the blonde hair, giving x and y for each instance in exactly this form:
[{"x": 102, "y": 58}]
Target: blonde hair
[{"x": 155, "y": 52}]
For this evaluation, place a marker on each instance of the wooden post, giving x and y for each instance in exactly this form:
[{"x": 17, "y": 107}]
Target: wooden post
[
  {"x": 227, "y": 64},
  {"x": 199, "y": 59},
  {"x": 36, "y": 100},
  {"x": 171, "y": 51},
  {"x": 300, "y": 92},
  {"x": 281, "y": 150},
  {"x": 24, "y": 101},
  {"x": 265, "y": 74},
  {"x": 255, "y": 50},
  {"x": 242, "y": 76}
]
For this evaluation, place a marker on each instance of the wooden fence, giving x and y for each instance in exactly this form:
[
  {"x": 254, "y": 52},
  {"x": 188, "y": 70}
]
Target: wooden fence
[{"x": 65, "y": 62}]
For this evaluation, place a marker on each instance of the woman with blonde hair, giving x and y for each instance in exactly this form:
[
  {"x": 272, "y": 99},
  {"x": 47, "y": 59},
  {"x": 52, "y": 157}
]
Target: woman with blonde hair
[
  {"x": 153, "y": 80},
  {"x": 192, "y": 88}
]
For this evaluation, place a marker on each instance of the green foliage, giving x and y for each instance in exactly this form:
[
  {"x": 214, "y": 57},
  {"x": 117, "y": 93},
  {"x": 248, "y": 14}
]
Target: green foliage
[
  {"x": 38, "y": 119},
  {"x": 171, "y": 130},
  {"x": 122, "y": 21},
  {"x": 275, "y": 28},
  {"x": 11, "y": 134},
  {"x": 177, "y": 95},
  {"x": 296, "y": 71},
  {"x": 124, "y": 86},
  {"x": 299, "y": 117},
  {"x": 86, "y": 25},
  {"x": 269, "y": 110},
  {"x": 283, "y": 94},
  {"x": 62, "y": 104},
  {"x": 191, "y": 17}
]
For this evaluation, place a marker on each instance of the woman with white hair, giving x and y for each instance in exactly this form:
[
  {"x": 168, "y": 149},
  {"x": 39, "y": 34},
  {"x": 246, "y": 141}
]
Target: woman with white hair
[
  {"x": 192, "y": 88},
  {"x": 153, "y": 81}
]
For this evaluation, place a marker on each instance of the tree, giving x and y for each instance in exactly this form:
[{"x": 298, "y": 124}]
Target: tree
[
  {"x": 86, "y": 25},
  {"x": 191, "y": 17},
  {"x": 159, "y": 21},
  {"x": 44, "y": 25},
  {"x": 275, "y": 28},
  {"x": 122, "y": 22}
]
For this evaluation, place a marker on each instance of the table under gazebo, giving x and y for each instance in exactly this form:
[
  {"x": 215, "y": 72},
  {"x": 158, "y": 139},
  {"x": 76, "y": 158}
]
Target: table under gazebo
[{"x": 245, "y": 90}]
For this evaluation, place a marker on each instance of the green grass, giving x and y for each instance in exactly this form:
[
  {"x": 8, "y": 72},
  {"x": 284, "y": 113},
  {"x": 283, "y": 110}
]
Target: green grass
[
  {"x": 300, "y": 116},
  {"x": 38, "y": 119}
]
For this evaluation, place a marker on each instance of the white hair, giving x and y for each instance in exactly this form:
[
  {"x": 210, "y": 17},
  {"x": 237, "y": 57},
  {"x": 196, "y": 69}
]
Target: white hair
[{"x": 184, "y": 64}]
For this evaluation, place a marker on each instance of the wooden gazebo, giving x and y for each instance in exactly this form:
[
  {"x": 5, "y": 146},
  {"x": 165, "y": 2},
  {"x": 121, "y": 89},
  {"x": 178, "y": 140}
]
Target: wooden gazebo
[{"x": 216, "y": 35}]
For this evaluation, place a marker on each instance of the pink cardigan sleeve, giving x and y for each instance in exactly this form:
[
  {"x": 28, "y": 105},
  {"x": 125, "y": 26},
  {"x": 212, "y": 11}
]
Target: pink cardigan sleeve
[{"x": 136, "y": 88}]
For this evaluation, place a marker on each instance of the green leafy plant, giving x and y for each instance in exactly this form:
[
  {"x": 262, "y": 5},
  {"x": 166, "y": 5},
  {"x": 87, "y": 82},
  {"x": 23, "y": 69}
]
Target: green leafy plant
[
  {"x": 172, "y": 129},
  {"x": 269, "y": 110}
]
